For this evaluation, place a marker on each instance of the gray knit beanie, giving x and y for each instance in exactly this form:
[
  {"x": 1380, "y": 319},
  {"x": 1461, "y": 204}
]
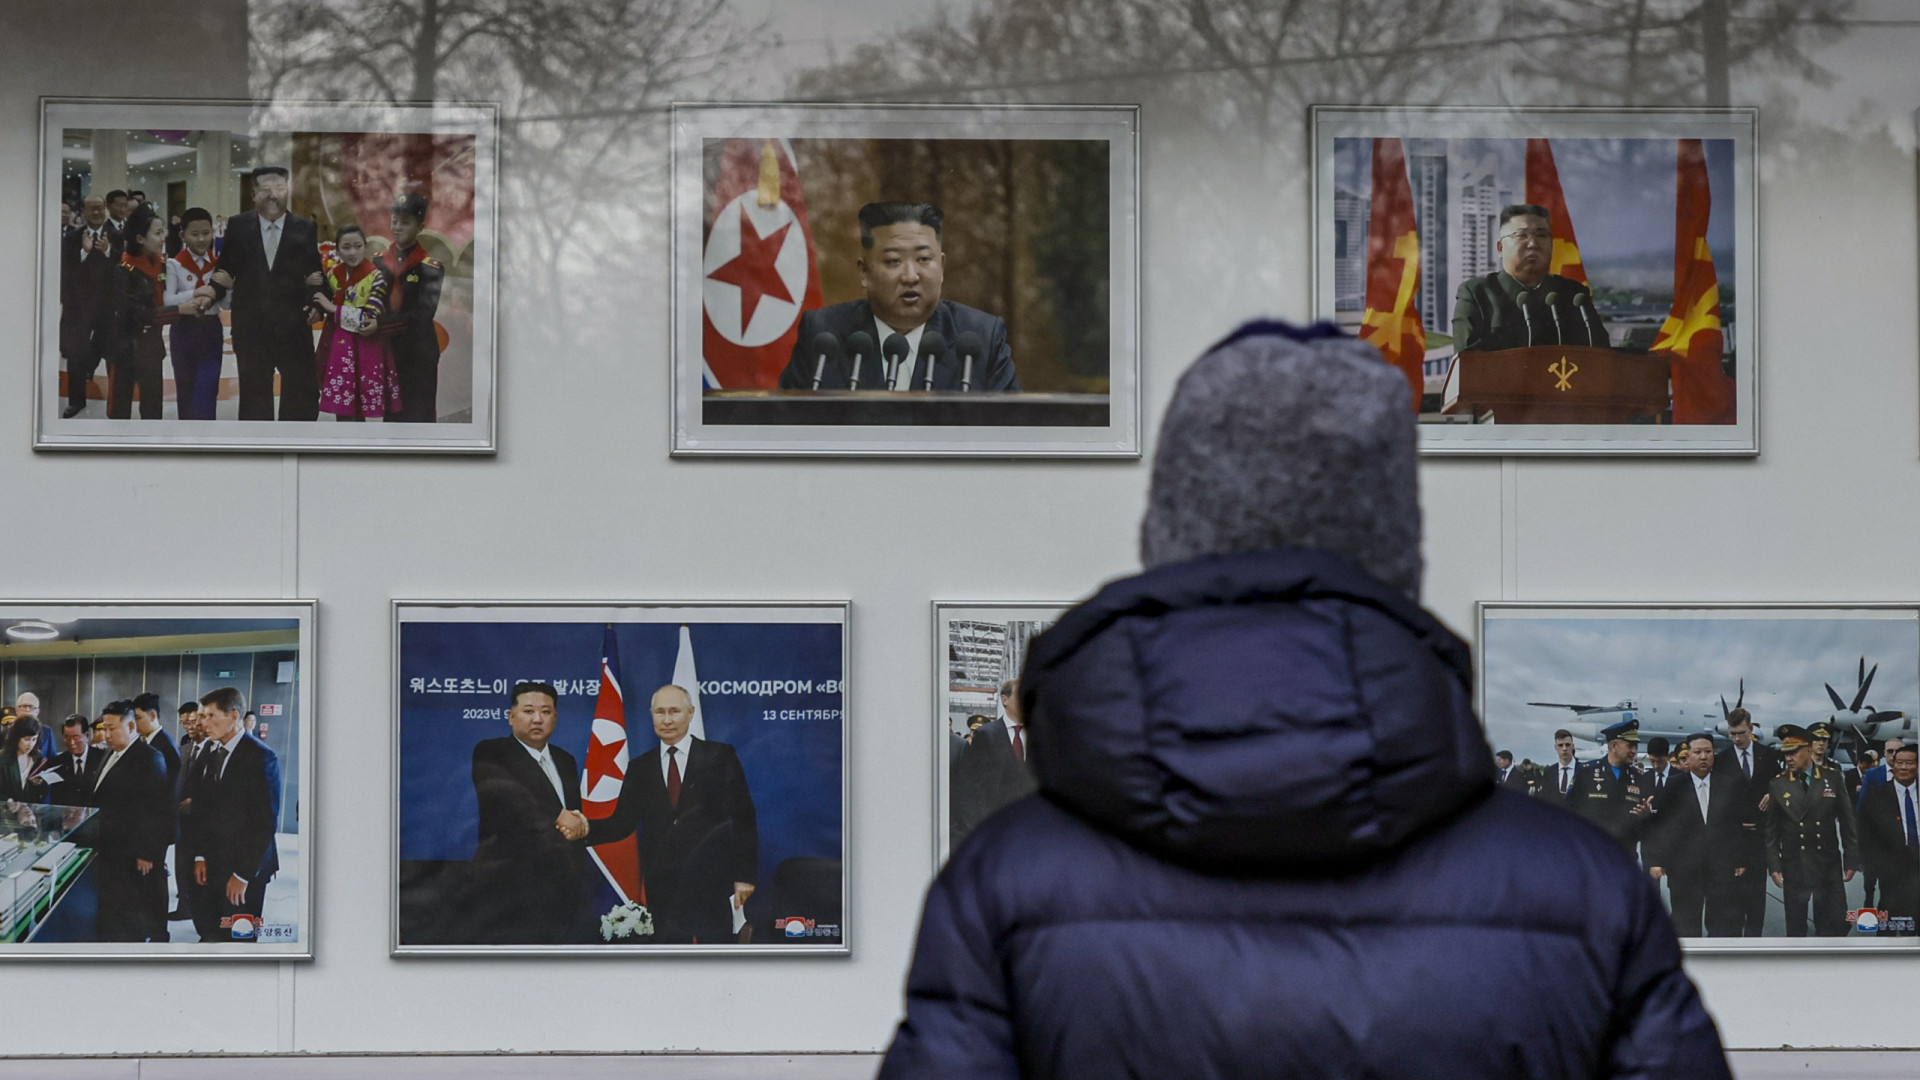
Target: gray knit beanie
[{"x": 1286, "y": 438}]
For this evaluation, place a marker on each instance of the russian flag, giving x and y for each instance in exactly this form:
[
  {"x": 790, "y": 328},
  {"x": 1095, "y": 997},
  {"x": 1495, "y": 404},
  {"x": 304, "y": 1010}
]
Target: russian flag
[{"x": 606, "y": 770}]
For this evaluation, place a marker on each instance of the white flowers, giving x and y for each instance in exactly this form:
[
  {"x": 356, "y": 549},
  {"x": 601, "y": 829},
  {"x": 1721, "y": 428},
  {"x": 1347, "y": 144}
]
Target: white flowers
[{"x": 626, "y": 921}]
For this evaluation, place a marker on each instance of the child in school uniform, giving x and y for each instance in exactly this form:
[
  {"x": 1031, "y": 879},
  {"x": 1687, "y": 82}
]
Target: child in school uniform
[
  {"x": 356, "y": 368},
  {"x": 196, "y": 340},
  {"x": 135, "y": 350}
]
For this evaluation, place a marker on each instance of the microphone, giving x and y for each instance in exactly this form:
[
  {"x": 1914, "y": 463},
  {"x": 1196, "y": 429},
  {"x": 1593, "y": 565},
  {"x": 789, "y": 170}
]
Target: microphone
[
  {"x": 824, "y": 345},
  {"x": 895, "y": 349},
  {"x": 932, "y": 348},
  {"x": 1526, "y": 312},
  {"x": 860, "y": 349},
  {"x": 1583, "y": 303},
  {"x": 1553, "y": 309},
  {"x": 968, "y": 346}
]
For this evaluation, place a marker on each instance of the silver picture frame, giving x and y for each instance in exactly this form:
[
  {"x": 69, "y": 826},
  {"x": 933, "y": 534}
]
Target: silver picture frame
[
  {"x": 1761, "y": 685},
  {"x": 1037, "y": 615},
  {"x": 222, "y": 635},
  {"x": 471, "y": 328},
  {"x": 608, "y": 613},
  {"x": 709, "y": 418},
  {"x": 1631, "y": 282}
]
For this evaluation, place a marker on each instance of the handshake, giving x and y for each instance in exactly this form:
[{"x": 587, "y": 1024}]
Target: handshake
[{"x": 572, "y": 824}]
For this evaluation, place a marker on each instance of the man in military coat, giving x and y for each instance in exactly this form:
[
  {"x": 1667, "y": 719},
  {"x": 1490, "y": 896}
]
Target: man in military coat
[
  {"x": 1812, "y": 846},
  {"x": 1613, "y": 792},
  {"x": 1521, "y": 303}
]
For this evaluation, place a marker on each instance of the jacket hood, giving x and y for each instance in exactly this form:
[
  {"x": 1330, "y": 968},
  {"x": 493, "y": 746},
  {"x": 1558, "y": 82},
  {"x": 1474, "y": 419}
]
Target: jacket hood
[{"x": 1256, "y": 712}]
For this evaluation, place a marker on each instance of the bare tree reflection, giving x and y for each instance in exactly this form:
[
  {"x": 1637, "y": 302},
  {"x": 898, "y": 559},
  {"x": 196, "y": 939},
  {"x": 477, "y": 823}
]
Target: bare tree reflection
[{"x": 583, "y": 85}]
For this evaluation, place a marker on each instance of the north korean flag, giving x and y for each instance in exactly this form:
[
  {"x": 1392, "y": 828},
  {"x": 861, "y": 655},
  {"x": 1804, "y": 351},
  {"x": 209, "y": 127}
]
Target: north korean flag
[
  {"x": 759, "y": 268},
  {"x": 606, "y": 769}
]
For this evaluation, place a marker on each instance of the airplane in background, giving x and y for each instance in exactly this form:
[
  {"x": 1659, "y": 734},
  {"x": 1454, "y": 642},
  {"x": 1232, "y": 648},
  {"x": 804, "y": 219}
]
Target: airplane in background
[{"x": 1856, "y": 724}]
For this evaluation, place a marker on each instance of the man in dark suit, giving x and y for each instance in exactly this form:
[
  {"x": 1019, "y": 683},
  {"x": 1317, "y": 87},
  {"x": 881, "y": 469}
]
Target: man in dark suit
[
  {"x": 88, "y": 256},
  {"x": 902, "y": 272},
  {"x": 190, "y": 743},
  {"x": 1753, "y": 765},
  {"x": 146, "y": 721},
  {"x": 271, "y": 264},
  {"x": 230, "y": 835},
  {"x": 75, "y": 764},
  {"x": 128, "y": 834},
  {"x": 993, "y": 772},
  {"x": 1890, "y": 834},
  {"x": 1508, "y": 775},
  {"x": 1488, "y": 311},
  {"x": 699, "y": 838},
  {"x": 1696, "y": 844},
  {"x": 530, "y": 866}
]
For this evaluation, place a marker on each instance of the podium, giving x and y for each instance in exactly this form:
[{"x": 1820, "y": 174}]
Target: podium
[
  {"x": 1557, "y": 384},
  {"x": 903, "y": 407}
]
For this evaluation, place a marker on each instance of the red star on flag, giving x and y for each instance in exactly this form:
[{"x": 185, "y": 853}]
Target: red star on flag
[{"x": 753, "y": 269}]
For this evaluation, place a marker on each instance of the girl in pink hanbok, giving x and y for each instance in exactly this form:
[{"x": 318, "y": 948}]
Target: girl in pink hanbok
[{"x": 356, "y": 368}]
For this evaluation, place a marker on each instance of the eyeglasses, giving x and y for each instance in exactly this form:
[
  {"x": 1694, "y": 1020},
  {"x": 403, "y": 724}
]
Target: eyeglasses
[{"x": 1536, "y": 234}]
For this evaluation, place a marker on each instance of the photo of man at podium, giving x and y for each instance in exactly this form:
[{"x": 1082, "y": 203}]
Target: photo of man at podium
[
  {"x": 1545, "y": 285},
  {"x": 1521, "y": 305}
]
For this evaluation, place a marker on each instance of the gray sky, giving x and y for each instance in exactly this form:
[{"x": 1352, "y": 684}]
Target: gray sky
[{"x": 1688, "y": 660}]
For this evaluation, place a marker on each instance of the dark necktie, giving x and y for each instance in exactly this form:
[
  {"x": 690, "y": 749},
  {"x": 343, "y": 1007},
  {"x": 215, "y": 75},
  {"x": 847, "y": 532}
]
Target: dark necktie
[
  {"x": 673, "y": 775},
  {"x": 214, "y": 760},
  {"x": 1913, "y": 828},
  {"x": 1746, "y": 765},
  {"x": 1019, "y": 748},
  {"x": 1564, "y": 781}
]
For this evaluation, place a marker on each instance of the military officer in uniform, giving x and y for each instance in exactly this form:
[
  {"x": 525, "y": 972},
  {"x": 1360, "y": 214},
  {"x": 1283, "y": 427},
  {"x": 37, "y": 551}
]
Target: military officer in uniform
[
  {"x": 1812, "y": 846},
  {"x": 1612, "y": 792}
]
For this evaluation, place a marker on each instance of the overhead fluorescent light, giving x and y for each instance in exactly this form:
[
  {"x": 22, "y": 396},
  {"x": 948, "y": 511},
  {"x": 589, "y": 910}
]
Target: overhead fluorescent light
[{"x": 32, "y": 630}]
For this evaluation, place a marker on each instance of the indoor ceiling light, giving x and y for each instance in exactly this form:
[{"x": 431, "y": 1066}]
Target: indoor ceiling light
[{"x": 32, "y": 630}]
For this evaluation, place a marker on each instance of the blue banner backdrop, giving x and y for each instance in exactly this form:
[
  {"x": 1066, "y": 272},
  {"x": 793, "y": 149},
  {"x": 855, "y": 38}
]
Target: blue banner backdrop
[{"x": 771, "y": 690}]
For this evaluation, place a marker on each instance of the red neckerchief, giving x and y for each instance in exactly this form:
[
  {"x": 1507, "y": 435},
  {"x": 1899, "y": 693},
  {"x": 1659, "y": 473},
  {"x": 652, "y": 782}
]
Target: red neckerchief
[
  {"x": 201, "y": 271},
  {"x": 397, "y": 271},
  {"x": 346, "y": 277},
  {"x": 150, "y": 265}
]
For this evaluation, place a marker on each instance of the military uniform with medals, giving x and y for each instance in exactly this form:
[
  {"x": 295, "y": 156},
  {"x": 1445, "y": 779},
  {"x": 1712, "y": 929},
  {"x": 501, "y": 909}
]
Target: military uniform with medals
[
  {"x": 1811, "y": 842},
  {"x": 1618, "y": 804}
]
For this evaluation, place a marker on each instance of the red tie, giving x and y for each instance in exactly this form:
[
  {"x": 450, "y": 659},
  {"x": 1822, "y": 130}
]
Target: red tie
[
  {"x": 1019, "y": 747},
  {"x": 673, "y": 775}
]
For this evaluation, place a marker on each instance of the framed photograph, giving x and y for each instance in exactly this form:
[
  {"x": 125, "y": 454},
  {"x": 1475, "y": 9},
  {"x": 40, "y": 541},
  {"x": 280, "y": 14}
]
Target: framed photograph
[
  {"x": 980, "y": 753},
  {"x": 154, "y": 780},
  {"x": 1766, "y": 779},
  {"x": 953, "y": 280},
  {"x": 266, "y": 276},
  {"x": 1551, "y": 281},
  {"x": 585, "y": 778}
]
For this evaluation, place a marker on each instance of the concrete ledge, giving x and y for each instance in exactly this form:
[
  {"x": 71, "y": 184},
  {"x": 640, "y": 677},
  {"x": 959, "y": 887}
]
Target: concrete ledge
[{"x": 1747, "y": 1065}]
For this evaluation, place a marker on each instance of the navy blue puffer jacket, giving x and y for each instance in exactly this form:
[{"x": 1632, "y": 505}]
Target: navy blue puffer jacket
[{"x": 1267, "y": 844}]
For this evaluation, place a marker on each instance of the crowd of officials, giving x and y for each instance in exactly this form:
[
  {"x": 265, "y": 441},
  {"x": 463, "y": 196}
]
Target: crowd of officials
[
  {"x": 127, "y": 274},
  {"x": 213, "y": 799},
  {"x": 1720, "y": 822}
]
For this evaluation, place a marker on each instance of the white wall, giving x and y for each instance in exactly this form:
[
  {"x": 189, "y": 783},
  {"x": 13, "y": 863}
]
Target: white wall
[{"x": 582, "y": 502}]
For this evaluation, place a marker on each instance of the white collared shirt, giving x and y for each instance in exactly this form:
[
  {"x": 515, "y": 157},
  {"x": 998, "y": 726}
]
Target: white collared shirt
[
  {"x": 101, "y": 776},
  {"x": 239, "y": 732},
  {"x": 1702, "y": 791},
  {"x": 544, "y": 757},
  {"x": 1564, "y": 778},
  {"x": 181, "y": 281},
  {"x": 102, "y": 242},
  {"x": 1012, "y": 727},
  {"x": 270, "y": 233},
  {"x": 1901, "y": 793},
  {"x": 902, "y": 379},
  {"x": 684, "y": 746}
]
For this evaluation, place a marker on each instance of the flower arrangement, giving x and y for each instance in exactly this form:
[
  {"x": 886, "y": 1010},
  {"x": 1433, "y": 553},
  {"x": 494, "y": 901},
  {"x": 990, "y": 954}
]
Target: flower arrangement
[{"x": 628, "y": 920}]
